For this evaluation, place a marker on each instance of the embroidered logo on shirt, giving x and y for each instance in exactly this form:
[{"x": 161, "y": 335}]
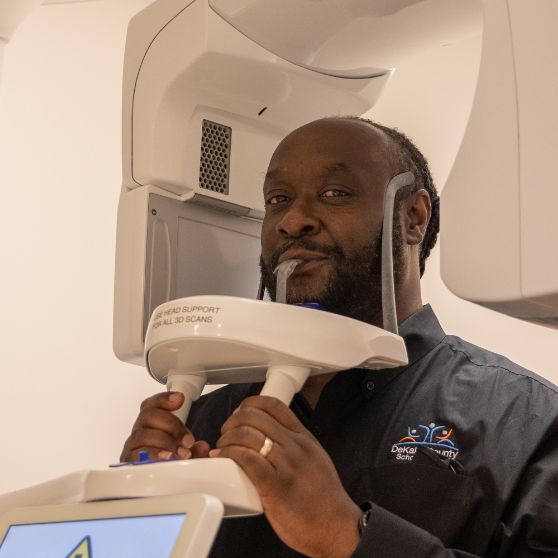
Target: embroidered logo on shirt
[{"x": 436, "y": 437}]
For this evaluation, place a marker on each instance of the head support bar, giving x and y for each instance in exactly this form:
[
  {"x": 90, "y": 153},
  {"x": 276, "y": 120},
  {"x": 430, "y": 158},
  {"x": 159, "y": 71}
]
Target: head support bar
[{"x": 389, "y": 311}]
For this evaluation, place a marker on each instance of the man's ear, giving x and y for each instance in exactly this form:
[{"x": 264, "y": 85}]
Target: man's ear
[{"x": 417, "y": 209}]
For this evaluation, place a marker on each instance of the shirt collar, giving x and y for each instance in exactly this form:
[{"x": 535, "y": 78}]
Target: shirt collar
[{"x": 421, "y": 332}]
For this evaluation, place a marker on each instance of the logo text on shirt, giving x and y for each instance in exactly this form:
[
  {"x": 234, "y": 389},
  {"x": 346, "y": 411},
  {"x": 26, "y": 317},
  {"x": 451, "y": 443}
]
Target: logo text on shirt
[{"x": 433, "y": 436}]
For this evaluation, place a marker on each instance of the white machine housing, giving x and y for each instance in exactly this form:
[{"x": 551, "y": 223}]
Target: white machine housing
[
  {"x": 498, "y": 211},
  {"x": 210, "y": 88},
  {"x": 236, "y": 340},
  {"x": 203, "y": 109},
  {"x": 218, "y": 476}
]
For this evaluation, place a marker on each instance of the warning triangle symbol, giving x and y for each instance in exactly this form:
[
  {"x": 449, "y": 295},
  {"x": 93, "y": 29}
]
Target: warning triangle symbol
[{"x": 82, "y": 550}]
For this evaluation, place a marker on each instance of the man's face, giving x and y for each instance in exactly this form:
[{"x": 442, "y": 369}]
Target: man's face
[{"x": 324, "y": 194}]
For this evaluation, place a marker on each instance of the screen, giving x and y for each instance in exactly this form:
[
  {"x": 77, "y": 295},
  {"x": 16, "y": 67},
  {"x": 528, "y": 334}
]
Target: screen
[{"x": 120, "y": 537}]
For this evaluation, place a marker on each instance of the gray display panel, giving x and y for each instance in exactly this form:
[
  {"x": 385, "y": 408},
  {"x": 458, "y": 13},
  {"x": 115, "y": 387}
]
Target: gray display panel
[
  {"x": 193, "y": 249},
  {"x": 214, "y": 260}
]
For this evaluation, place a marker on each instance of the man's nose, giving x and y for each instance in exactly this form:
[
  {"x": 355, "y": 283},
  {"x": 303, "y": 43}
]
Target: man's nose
[{"x": 299, "y": 220}]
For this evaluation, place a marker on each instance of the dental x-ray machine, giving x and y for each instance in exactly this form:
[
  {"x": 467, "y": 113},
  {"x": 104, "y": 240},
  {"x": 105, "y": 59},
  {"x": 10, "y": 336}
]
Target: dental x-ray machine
[{"x": 210, "y": 88}]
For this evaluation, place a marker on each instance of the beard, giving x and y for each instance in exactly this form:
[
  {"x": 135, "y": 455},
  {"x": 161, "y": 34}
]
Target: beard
[{"x": 354, "y": 286}]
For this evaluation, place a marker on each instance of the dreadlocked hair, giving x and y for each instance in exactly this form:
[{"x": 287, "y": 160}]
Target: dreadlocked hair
[{"x": 406, "y": 157}]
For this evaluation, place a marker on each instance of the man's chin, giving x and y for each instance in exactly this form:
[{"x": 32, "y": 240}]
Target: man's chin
[
  {"x": 305, "y": 288},
  {"x": 299, "y": 296},
  {"x": 303, "y": 299}
]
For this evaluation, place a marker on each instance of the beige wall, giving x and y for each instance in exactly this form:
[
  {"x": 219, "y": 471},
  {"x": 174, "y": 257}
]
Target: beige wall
[{"x": 66, "y": 403}]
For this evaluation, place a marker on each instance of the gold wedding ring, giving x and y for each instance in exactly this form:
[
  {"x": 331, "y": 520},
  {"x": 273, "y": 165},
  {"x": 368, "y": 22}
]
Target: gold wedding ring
[{"x": 266, "y": 447}]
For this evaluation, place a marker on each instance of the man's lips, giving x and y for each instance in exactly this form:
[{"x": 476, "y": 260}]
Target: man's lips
[{"x": 306, "y": 256}]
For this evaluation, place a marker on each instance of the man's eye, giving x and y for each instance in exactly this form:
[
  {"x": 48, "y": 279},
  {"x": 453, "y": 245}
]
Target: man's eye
[
  {"x": 274, "y": 200},
  {"x": 334, "y": 193}
]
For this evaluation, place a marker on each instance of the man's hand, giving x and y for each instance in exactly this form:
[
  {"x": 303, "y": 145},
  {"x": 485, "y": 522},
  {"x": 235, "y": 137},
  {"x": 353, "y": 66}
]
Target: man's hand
[
  {"x": 160, "y": 433},
  {"x": 300, "y": 490}
]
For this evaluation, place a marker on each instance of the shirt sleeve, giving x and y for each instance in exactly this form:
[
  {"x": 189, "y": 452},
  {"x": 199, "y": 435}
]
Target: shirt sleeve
[
  {"x": 389, "y": 535},
  {"x": 528, "y": 527}
]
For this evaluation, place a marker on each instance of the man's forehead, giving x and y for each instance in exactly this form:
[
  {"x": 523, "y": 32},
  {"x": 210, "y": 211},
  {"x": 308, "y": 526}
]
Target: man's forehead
[
  {"x": 332, "y": 146},
  {"x": 325, "y": 167}
]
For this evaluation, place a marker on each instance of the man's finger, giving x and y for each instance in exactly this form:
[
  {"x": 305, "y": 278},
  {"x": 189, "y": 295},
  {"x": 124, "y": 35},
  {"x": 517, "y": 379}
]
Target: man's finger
[
  {"x": 260, "y": 409},
  {"x": 259, "y": 420},
  {"x": 160, "y": 419},
  {"x": 244, "y": 435},
  {"x": 169, "y": 400},
  {"x": 258, "y": 469},
  {"x": 152, "y": 452},
  {"x": 200, "y": 449},
  {"x": 151, "y": 437},
  {"x": 277, "y": 409}
]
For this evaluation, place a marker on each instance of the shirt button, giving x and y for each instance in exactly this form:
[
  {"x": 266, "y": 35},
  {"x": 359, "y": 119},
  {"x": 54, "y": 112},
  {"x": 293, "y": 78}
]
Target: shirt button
[{"x": 370, "y": 386}]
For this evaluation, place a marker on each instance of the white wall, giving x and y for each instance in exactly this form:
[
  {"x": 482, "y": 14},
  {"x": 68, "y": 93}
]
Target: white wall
[{"x": 66, "y": 403}]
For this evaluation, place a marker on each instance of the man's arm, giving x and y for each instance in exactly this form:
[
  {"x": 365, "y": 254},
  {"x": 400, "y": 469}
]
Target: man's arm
[
  {"x": 309, "y": 510},
  {"x": 301, "y": 493}
]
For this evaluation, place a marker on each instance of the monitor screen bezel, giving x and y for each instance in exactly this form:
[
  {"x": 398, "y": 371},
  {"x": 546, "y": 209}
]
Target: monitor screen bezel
[{"x": 202, "y": 517}]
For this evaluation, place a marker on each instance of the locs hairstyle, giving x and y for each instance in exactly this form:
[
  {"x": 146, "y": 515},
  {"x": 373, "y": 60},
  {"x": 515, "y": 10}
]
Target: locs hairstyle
[{"x": 407, "y": 157}]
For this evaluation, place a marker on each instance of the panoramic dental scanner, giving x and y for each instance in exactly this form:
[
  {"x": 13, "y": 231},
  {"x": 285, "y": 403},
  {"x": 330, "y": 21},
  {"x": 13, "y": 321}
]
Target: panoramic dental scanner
[{"x": 210, "y": 88}]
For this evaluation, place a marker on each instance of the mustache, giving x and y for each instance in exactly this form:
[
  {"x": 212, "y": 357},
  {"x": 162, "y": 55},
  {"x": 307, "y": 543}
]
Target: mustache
[{"x": 305, "y": 244}]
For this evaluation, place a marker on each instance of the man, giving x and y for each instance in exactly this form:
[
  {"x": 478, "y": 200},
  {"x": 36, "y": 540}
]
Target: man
[{"x": 455, "y": 454}]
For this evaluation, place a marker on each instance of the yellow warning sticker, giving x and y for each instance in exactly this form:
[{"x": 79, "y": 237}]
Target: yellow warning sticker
[{"x": 82, "y": 550}]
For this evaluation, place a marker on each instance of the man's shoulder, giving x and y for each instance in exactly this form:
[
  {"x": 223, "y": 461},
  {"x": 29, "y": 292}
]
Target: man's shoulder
[{"x": 490, "y": 367}]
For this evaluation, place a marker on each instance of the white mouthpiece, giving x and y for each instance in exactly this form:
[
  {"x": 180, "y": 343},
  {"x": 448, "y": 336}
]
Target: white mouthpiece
[
  {"x": 190, "y": 385},
  {"x": 283, "y": 271}
]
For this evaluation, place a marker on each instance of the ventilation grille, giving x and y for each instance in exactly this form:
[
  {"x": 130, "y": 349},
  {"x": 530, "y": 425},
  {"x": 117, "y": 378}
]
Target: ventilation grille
[{"x": 215, "y": 157}]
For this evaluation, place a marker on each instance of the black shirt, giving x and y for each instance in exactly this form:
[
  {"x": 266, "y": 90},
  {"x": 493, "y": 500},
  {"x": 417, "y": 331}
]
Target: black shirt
[{"x": 458, "y": 452}]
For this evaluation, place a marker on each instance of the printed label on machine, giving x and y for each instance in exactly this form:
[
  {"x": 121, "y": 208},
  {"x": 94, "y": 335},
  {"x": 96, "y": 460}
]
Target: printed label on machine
[{"x": 185, "y": 315}]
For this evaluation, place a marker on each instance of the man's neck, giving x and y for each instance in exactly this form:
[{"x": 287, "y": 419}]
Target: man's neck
[{"x": 313, "y": 387}]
